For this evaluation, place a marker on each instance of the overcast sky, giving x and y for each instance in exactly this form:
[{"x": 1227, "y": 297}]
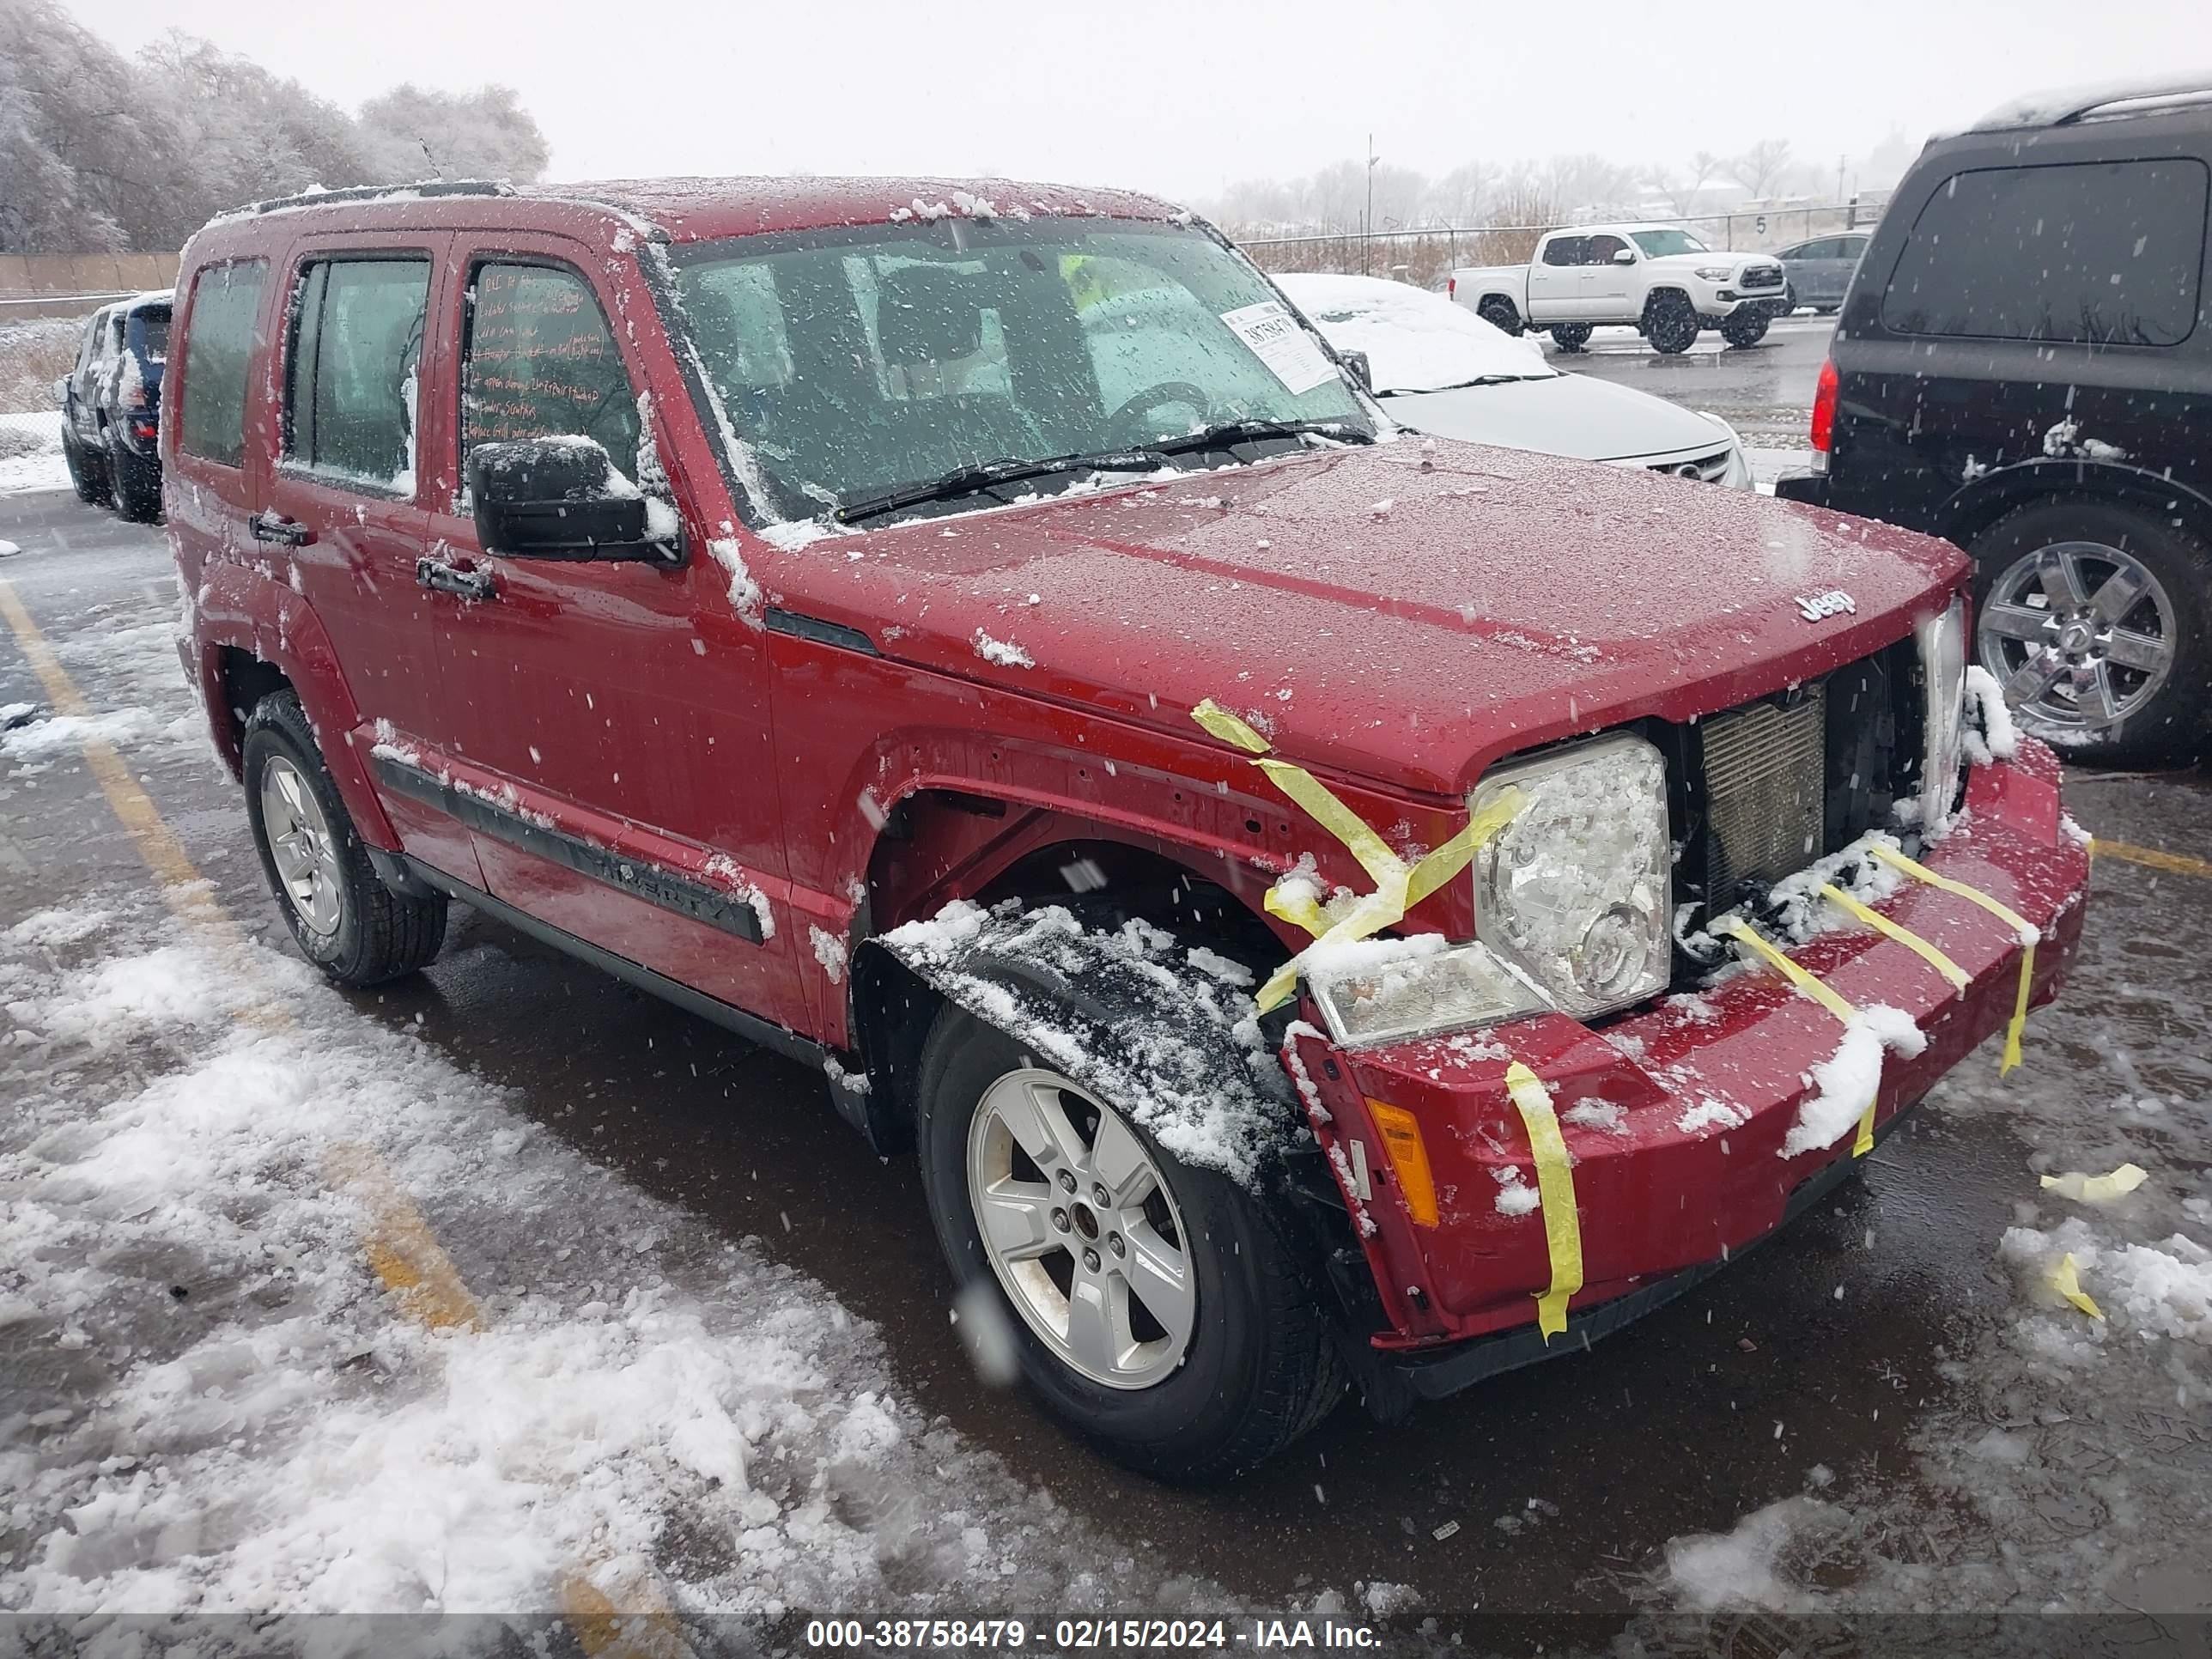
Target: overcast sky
[{"x": 1183, "y": 96}]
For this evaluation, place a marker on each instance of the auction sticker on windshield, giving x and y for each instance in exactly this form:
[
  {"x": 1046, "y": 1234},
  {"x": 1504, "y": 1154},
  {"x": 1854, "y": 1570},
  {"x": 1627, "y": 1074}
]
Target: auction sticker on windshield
[{"x": 1276, "y": 340}]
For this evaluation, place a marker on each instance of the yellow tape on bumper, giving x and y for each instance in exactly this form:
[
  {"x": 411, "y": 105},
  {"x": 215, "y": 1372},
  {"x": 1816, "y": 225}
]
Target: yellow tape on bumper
[
  {"x": 1808, "y": 985},
  {"x": 1399, "y": 886},
  {"x": 2027, "y": 933},
  {"x": 1905, "y": 936},
  {"x": 1555, "y": 1188}
]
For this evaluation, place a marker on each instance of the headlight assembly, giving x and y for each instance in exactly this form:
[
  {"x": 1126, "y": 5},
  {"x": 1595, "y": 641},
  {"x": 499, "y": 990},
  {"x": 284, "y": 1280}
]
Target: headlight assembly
[
  {"x": 1716, "y": 273},
  {"x": 1577, "y": 891},
  {"x": 1943, "y": 666}
]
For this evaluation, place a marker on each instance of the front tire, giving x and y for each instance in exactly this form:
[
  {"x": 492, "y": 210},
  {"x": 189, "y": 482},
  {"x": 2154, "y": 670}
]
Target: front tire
[
  {"x": 2096, "y": 619},
  {"x": 345, "y": 920},
  {"x": 1571, "y": 337},
  {"x": 1500, "y": 313},
  {"x": 1155, "y": 1308},
  {"x": 88, "y": 476},
  {"x": 1670, "y": 323},
  {"x": 1745, "y": 328}
]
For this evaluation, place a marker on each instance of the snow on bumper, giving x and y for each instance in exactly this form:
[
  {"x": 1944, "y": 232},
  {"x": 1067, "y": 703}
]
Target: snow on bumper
[{"x": 1676, "y": 1119}]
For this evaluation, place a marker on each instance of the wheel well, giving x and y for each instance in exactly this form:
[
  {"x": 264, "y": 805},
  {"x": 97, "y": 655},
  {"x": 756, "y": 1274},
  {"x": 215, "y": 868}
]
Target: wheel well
[
  {"x": 1972, "y": 512},
  {"x": 1654, "y": 296},
  {"x": 244, "y": 679},
  {"x": 1108, "y": 881}
]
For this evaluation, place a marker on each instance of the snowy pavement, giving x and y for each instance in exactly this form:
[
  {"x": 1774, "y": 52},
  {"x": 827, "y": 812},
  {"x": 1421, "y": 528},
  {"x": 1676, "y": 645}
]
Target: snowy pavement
[
  {"x": 31, "y": 452},
  {"x": 702, "y": 1352}
]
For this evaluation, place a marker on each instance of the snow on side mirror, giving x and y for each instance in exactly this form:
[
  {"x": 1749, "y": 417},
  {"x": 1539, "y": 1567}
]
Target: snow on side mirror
[{"x": 556, "y": 498}]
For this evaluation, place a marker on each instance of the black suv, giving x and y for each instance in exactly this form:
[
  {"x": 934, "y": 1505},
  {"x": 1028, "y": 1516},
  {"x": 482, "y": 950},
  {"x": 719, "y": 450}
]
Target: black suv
[
  {"x": 111, "y": 405},
  {"x": 2024, "y": 364}
]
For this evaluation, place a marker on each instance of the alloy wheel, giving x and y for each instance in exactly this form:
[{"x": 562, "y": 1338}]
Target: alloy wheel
[
  {"x": 300, "y": 846},
  {"x": 1081, "y": 1229},
  {"x": 2080, "y": 635}
]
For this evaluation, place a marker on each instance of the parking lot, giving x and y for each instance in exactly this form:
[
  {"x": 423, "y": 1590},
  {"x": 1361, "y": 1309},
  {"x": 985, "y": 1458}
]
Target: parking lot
[{"x": 1883, "y": 1409}]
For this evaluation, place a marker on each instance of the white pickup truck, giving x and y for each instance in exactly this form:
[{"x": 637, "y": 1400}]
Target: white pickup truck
[{"x": 1657, "y": 278}]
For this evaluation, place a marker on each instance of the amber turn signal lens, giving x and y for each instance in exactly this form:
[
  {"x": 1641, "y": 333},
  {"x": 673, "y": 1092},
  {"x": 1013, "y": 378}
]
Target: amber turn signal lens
[{"x": 1409, "y": 1160}]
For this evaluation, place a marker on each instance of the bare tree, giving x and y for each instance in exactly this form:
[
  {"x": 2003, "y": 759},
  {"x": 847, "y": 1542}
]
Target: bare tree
[
  {"x": 1759, "y": 168},
  {"x": 1679, "y": 187}
]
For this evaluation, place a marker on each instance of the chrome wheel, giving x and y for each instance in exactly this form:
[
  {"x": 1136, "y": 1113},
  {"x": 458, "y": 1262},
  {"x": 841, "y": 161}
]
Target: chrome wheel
[
  {"x": 299, "y": 845},
  {"x": 2080, "y": 635},
  {"x": 1080, "y": 1229}
]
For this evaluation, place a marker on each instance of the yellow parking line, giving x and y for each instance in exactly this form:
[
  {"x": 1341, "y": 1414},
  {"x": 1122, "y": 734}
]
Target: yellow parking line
[
  {"x": 403, "y": 1252},
  {"x": 2179, "y": 863}
]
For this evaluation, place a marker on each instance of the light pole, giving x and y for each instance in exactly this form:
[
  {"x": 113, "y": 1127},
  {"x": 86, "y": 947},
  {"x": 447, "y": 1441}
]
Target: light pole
[{"x": 1367, "y": 218}]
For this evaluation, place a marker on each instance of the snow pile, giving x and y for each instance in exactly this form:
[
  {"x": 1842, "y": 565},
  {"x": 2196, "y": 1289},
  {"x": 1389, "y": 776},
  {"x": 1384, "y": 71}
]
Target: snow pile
[
  {"x": 1752, "y": 1566},
  {"x": 254, "y": 1425},
  {"x": 1415, "y": 341},
  {"x": 1004, "y": 652},
  {"x": 1181, "y": 1052},
  {"x": 1795, "y": 906},
  {"x": 1848, "y": 1080},
  {"x": 1989, "y": 733},
  {"x": 2151, "y": 1291}
]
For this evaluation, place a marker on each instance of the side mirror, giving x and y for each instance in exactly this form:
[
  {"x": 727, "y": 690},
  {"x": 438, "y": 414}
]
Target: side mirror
[
  {"x": 557, "y": 498},
  {"x": 1356, "y": 365},
  {"x": 1624, "y": 256}
]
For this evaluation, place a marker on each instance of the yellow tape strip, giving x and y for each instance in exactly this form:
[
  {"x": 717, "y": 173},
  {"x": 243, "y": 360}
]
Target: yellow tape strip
[
  {"x": 2098, "y": 1189},
  {"x": 1905, "y": 936},
  {"x": 1555, "y": 1188},
  {"x": 1398, "y": 886},
  {"x": 2066, "y": 1280},
  {"x": 2025, "y": 930},
  {"x": 1808, "y": 985}
]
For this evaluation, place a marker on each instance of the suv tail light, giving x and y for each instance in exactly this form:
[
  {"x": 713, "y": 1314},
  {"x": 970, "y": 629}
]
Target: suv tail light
[{"x": 1824, "y": 408}]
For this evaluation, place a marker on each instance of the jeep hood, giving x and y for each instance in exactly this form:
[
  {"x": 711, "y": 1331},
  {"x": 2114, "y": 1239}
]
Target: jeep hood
[{"x": 1404, "y": 613}]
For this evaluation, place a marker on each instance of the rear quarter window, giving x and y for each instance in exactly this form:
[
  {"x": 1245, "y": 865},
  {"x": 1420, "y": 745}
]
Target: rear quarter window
[
  {"x": 218, "y": 348},
  {"x": 2100, "y": 253}
]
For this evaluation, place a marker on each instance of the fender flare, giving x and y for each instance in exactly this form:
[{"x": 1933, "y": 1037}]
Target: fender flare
[
  {"x": 1974, "y": 507},
  {"x": 298, "y": 647},
  {"x": 1206, "y": 1083}
]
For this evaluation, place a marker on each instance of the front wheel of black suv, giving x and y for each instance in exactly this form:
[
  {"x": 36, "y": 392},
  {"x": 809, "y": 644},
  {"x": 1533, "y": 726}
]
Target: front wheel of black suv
[
  {"x": 2096, "y": 619},
  {"x": 88, "y": 473},
  {"x": 1156, "y": 1308},
  {"x": 346, "y": 921}
]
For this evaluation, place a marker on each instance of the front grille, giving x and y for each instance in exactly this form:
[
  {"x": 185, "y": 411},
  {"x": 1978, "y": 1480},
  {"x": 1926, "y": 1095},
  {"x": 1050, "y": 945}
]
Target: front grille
[
  {"x": 1765, "y": 791},
  {"x": 1710, "y": 469},
  {"x": 1761, "y": 277}
]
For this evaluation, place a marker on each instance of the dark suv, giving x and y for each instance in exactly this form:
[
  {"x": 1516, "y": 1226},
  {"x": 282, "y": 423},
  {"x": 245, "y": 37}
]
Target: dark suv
[
  {"x": 2024, "y": 364},
  {"x": 110, "y": 404}
]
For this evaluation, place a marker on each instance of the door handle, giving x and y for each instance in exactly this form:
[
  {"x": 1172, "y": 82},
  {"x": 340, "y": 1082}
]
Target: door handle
[
  {"x": 476, "y": 585},
  {"x": 268, "y": 526}
]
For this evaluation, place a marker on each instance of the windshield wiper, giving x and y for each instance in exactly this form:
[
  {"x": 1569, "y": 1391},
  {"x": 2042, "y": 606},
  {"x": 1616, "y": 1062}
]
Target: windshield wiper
[
  {"x": 1221, "y": 434},
  {"x": 987, "y": 475},
  {"x": 1460, "y": 386}
]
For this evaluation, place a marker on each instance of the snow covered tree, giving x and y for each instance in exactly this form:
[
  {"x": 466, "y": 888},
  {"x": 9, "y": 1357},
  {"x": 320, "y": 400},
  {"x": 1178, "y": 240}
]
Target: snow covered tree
[{"x": 419, "y": 132}]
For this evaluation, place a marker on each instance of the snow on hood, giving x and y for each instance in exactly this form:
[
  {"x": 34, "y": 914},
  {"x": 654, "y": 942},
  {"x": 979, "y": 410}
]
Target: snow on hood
[
  {"x": 1415, "y": 341},
  {"x": 1573, "y": 415}
]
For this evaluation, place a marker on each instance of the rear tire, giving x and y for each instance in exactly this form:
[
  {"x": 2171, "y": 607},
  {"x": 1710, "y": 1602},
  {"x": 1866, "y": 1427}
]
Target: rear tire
[
  {"x": 345, "y": 920},
  {"x": 88, "y": 476},
  {"x": 1255, "y": 1368},
  {"x": 1571, "y": 337},
  {"x": 1670, "y": 323},
  {"x": 1499, "y": 311},
  {"x": 137, "y": 486},
  {"x": 2053, "y": 627}
]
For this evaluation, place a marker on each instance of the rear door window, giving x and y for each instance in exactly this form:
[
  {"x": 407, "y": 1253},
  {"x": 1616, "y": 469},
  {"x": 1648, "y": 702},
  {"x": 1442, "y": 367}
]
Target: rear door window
[
  {"x": 541, "y": 361},
  {"x": 1600, "y": 250},
  {"x": 2100, "y": 253},
  {"x": 218, "y": 346},
  {"x": 350, "y": 388}
]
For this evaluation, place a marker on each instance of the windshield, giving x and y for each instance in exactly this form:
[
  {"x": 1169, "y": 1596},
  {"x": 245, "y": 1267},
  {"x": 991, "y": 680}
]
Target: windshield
[
  {"x": 1657, "y": 244},
  {"x": 853, "y": 362},
  {"x": 1415, "y": 341}
]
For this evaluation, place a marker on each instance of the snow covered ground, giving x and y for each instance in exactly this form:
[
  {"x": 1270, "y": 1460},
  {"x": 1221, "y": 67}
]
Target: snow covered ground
[{"x": 31, "y": 452}]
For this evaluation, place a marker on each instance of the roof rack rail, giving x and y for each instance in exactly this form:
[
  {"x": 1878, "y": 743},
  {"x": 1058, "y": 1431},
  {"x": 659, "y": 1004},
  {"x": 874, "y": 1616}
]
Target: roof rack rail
[
  {"x": 2068, "y": 106},
  {"x": 427, "y": 187}
]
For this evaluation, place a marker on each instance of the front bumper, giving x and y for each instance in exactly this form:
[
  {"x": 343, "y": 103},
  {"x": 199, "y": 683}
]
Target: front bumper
[
  {"x": 1728, "y": 301},
  {"x": 1688, "y": 1170}
]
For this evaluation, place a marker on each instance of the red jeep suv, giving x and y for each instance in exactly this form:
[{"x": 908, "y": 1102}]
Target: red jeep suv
[{"x": 1330, "y": 909}]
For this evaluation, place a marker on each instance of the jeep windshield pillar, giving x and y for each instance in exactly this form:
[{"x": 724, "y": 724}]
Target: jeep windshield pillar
[{"x": 1327, "y": 913}]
